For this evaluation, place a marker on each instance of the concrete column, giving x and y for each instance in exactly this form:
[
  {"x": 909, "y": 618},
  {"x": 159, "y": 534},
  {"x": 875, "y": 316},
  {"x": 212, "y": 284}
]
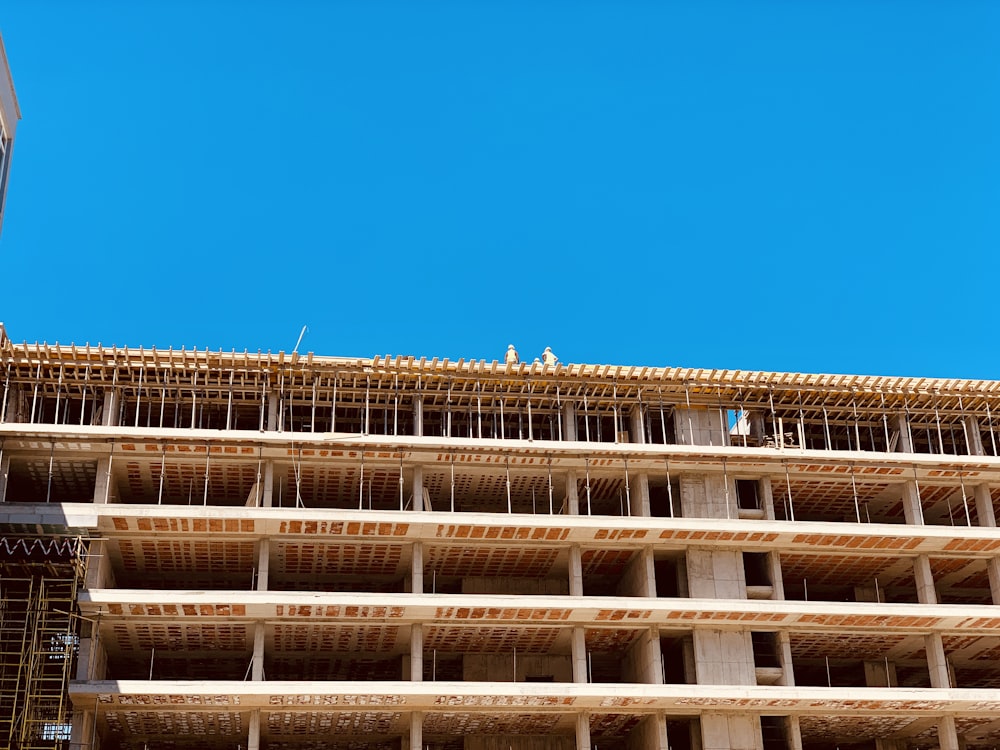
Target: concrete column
[
  {"x": 638, "y": 429},
  {"x": 904, "y": 444},
  {"x": 418, "y": 415},
  {"x": 639, "y": 578},
  {"x": 777, "y": 580},
  {"x": 575, "y": 571},
  {"x": 253, "y": 733},
  {"x": 272, "y": 411},
  {"x": 785, "y": 656},
  {"x": 582, "y": 732},
  {"x": 418, "y": 488},
  {"x": 993, "y": 570},
  {"x": 102, "y": 488},
  {"x": 724, "y": 657},
  {"x": 662, "y": 742},
  {"x": 417, "y": 569},
  {"x": 947, "y": 734},
  {"x": 267, "y": 496},
  {"x": 4, "y": 471},
  {"x": 569, "y": 421},
  {"x": 99, "y": 572},
  {"x": 706, "y": 496},
  {"x": 984, "y": 506},
  {"x": 975, "y": 437},
  {"x": 417, "y": 652},
  {"x": 579, "y": 652},
  {"x": 112, "y": 402},
  {"x": 257, "y": 665},
  {"x": 263, "y": 563},
  {"x": 639, "y": 496},
  {"x": 83, "y": 731},
  {"x": 572, "y": 495},
  {"x": 794, "y": 733},
  {"x": 715, "y": 574},
  {"x": 766, "y": 497},
  {"x": 926, "y": 593},
  {"x": 912, "y": 511},
  {"x": 730, "y": 732},
  {"x": 937, "y": 661},
  {"x": 416, "y": 731}
]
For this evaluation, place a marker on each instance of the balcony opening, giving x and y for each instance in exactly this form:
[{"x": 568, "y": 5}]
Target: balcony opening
[
  {"x": 497, "y": 654},
  {"x": 848, "y": 578},
  {"x": 677, "y": 658},
  {"x": 513, "y": 570}
]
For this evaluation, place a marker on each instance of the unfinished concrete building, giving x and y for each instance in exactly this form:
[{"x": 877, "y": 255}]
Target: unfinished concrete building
[{"x": 294, "y": 552}]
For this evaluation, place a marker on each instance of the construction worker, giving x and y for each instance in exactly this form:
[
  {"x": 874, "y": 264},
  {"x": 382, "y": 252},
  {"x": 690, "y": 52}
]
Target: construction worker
[
  {"x": 548, "y": 358},
  {"x": 510, "y": 357}
]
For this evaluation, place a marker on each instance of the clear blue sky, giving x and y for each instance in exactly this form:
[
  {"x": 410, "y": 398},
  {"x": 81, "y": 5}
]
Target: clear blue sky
[{"x": 809, "y": 186}]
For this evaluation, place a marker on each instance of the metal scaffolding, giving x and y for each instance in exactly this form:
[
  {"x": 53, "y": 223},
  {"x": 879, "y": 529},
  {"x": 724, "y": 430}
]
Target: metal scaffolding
[{"x": 39, "y": 638}]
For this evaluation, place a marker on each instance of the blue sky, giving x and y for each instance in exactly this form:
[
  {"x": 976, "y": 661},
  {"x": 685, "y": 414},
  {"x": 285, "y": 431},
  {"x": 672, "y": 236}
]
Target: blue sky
[{"x": 809, "y": 186}]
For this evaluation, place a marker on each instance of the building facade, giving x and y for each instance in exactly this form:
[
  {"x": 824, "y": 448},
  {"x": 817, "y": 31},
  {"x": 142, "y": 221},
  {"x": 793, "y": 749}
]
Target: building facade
[
  {"x": 9, "y": 116},
  {"x": 298, "y": 552}
]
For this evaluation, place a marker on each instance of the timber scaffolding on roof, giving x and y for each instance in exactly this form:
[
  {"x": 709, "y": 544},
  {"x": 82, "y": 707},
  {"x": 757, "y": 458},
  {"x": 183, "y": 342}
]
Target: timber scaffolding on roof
[
  {"x": 54, "y": 384},
  {"x": 39, "y": 638}
]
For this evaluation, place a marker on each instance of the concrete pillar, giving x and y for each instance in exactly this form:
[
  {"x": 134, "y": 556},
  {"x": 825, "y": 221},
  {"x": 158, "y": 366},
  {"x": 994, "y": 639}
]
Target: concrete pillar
[
  {"x": 636, "y": 426},
  {"x": 575, "y": 571},
  {"x": 4, "y": 471},
  {"x": 417, "y": 652},
  {"x": 639, "y": 496},
  {"x": 416, "y": 731},
  {"x": 777, "y": 579},
  {"x": 794, "y": 733},
  {"x": 418, "y": 415},
  {"x": 582, "y": 732},
  {"x": 569, "y": 421},
  {"x": 84, "y": 730},
  {"x": 112, "y": 402},
  {"x": 100, "y": 574},
  {"x": 272, "y": 412},
  {"x": 766, "y": 497},
  {"x": 267, "y": 496},
  {"x": 579, "y": 652},
  {"x": 715, "y": 574},
  {"x": 706, "y": 496},
  {"x": 639, "y": 578},
  {"x": 947, "y": 734},
  {"x": 417, "y": 569},
  {"x": 263, "y": 563},
  {"x": 659, "y": 726},
  {"x": 253, "y": 732},
  {"x": 257, "y": 665},
  {"x": 904, "y": 444},
  {"x": 785, "y": 657},
  {"x": 912, "y": 511},
  {"x": 724, "y": 657},
  {"x": 937, "y": 661},
  {"x": 103, "y": 487},
  {"x": 730, "y": 732},
  {"x": 700, "y": 426},
  {"x": 926, "y": 593},
  {"x": 975, "y": 437},
  {"x": 993, "y": 570},
  {"x": 984, "y": 506},
  {"x": 572, "y": 495},
  {"x": 418, "y": 488}
]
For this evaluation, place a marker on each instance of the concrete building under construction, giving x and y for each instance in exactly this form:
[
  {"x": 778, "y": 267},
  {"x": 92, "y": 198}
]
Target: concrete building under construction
[{"x": 206, "y": 549}]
